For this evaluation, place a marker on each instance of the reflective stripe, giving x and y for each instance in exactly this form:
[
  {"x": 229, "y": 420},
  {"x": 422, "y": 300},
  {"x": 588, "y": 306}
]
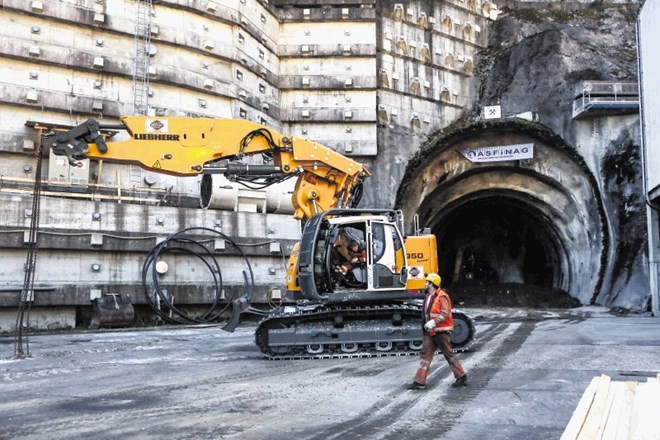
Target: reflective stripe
[{"x": 444, "y": 329}]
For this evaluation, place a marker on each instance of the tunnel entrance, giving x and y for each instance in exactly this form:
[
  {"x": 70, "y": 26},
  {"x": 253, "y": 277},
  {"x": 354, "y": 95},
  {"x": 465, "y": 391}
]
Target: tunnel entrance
[
  {"x": 493, "y": 240},
  {"x": 496, "y": 250},
  {"x": 511, "y": 232}
]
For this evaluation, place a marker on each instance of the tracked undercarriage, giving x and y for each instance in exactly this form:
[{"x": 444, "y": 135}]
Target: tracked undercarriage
[{"x": 322, "y": 332}]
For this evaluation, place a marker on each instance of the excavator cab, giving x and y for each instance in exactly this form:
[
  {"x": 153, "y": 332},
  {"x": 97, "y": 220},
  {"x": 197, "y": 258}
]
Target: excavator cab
[
  {"x": 365, "y": 253},
  {"x": 329, "y": 271}
]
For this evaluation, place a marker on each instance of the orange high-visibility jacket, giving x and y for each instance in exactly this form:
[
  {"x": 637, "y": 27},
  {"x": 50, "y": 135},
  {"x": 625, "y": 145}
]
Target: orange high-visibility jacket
[{"x": 438, "y": 308}]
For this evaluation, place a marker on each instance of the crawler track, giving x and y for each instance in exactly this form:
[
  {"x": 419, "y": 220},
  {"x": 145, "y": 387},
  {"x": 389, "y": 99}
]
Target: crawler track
[{"x": 324, "y": 332}]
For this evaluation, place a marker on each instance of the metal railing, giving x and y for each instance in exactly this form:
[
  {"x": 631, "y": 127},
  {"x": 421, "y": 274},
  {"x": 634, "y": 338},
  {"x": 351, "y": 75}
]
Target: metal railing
[{"x": 603, "y": 95}]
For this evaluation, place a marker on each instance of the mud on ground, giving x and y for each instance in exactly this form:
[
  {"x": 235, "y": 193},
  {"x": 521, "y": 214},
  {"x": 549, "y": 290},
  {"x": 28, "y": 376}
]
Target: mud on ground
[{"x": 479, "y": 294}]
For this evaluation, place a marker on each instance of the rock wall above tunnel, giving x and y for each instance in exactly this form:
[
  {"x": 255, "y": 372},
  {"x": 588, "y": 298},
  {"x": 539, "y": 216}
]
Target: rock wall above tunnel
[{"x": 536, "y": 59}]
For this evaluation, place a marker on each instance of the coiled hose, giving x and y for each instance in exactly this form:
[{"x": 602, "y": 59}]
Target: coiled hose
[{"x": 181, "y": 242}]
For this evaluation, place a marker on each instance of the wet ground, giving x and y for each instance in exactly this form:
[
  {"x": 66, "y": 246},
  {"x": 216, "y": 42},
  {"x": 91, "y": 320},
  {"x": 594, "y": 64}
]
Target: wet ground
[{"x": 527, "y": 371}]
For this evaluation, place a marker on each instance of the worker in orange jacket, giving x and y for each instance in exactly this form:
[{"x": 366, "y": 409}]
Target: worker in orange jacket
[{"x": 438, "y": 324}]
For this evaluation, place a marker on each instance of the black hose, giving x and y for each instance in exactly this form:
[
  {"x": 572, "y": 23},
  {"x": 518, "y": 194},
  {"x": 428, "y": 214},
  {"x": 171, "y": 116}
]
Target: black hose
[
  {"x": 356, "y": 195},
  {"x": 176, "y": 315}
]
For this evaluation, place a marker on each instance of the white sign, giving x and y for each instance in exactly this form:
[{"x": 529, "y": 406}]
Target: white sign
[
  {"x": 499, "y": 153},
  {"x": 492, "y": 112}
]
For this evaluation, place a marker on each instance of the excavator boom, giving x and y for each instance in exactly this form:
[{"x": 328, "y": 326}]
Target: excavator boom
[{"x": 192, "y": 146}]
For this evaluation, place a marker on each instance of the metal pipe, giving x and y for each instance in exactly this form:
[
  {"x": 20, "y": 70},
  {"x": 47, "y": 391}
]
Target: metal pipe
[{"x": 239, "y": 169}]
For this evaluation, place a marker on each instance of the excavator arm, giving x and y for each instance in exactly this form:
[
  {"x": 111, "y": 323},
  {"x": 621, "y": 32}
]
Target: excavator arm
[{"x": 193, "y": 146}]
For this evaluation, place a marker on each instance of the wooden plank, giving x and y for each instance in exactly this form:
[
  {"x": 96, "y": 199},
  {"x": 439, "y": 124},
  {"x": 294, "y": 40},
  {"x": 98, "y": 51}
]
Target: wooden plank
[
  {"x": 580, "y": 413},
  {"x": 646, "y": 411},
  {"x": 616, "y": 410},
  {"x": 618, "y": 421},
  {"x": 609, "y": 418},
  {"x": 595, "y": 415}
]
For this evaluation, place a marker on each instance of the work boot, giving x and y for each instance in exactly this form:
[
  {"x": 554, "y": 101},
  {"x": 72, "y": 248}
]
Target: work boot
[
  {"x": 416, "y": 386},
  {"x": 460, "y": 382}
]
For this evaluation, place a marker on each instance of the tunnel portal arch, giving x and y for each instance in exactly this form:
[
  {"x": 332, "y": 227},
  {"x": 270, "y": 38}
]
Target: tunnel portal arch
[{"x": 534, "y": 225}]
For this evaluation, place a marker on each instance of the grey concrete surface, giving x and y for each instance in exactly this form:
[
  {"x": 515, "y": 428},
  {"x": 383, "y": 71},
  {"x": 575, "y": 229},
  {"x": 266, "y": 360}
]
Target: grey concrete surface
[{"x": 527, "y": 372}]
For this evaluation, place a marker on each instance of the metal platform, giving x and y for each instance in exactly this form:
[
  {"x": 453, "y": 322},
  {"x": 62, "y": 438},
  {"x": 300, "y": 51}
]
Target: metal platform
[{"x": 597, "y": 98}]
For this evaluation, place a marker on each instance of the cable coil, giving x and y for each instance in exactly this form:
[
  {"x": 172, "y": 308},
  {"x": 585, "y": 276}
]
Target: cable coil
[{"x": 181, "y": 242}]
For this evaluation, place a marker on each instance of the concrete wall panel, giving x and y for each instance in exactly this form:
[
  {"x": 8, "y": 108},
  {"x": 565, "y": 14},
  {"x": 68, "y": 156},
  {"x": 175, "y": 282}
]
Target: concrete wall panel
[
  {"x": 328, "y": 66},
  {"x": 327, "y": 33}
]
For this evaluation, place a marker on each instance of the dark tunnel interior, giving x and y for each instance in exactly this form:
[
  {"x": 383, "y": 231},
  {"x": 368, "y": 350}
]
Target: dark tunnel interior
[{"x": 499, "y": 251}]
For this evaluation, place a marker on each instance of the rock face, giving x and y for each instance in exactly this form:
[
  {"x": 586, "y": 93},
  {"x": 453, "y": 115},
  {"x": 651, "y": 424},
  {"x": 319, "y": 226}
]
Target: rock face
[{"x": 536, "y": 61}]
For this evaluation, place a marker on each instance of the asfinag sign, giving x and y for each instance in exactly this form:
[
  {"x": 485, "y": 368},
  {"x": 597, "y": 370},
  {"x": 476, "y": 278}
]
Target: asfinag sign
[{"x": 497, "y": 153}]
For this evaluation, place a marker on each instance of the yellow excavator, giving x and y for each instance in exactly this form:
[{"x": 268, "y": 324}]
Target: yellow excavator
[{"x": 337, "y": 304}]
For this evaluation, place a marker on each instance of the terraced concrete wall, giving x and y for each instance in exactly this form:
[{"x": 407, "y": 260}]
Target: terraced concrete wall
[{"x": 357, "y": 78}]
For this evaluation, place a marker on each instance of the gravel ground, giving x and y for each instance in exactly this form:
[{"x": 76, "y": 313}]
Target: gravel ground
[{"x": 527, "y": 370}]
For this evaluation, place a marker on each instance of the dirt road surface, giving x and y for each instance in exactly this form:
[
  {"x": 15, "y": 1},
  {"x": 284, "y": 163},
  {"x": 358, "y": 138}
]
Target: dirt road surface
[{"x": 527, "y": 372}]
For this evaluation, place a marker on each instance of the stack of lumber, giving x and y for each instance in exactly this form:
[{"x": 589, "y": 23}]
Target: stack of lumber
[{"x": 617, "y": 410}]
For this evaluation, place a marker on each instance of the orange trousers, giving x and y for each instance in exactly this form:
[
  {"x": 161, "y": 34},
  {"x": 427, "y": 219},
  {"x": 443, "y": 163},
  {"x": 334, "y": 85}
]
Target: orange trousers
[{"x": 429, "y": 346}]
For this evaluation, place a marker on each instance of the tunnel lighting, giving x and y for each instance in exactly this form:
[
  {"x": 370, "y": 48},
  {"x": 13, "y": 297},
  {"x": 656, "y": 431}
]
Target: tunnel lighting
[{"x": 162, "y": 267}]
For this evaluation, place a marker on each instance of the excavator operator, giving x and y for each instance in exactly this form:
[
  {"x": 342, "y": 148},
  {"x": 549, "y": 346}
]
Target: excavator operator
[{"x": 357, "y": 254}]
